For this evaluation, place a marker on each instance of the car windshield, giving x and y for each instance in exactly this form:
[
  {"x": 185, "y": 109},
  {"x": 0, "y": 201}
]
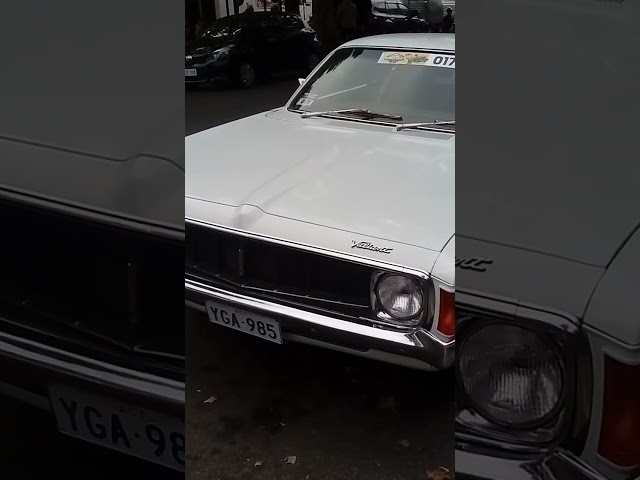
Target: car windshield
[
  {"x": 418, "y": 86},
  {"x": 220, "y": 30}
]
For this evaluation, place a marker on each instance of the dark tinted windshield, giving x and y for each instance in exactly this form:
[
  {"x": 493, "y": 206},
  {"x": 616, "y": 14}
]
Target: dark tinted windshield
[
  {"x": 397, "y": 9},
  {"x": 417, "y": 85},
  {"x": 221, "y": 30}
]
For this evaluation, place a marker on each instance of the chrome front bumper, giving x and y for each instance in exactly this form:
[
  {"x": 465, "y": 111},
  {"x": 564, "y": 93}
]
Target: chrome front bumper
[
  {"x": 558, "y": 465},
  {"x": 42, "y": 365},
  {"x": 416, "y": 349}
]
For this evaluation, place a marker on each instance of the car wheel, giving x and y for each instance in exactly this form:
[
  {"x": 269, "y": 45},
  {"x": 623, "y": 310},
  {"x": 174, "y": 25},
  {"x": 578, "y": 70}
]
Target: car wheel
[{"x": 247, "y": 75}]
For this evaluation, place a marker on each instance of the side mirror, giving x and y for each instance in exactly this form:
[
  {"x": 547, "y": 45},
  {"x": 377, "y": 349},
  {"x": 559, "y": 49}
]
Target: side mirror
[
  {"x": 415, "y": 13},
  {"x": 301, "y": 81}
]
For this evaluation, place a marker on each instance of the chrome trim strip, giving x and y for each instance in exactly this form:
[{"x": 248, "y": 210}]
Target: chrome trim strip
[
  {"x": 33, "y": 400},
  {"x": 321, "y": 251},
  {"x": 513, "y": 306},
  {"x": 568, "y": 458},
  {"x": 415, "y": 339},
  {"x": 371, "y": 354},
  {"x": 91, "y": 370},
  {"x": 90, "y": 214},
  {"x": 483, "y": 467},
  {"x": 515, "y": 310},
  {"x": 610, "y": 339}
]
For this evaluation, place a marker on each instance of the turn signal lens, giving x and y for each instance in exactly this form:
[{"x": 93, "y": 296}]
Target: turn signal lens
[
  {"x": 447, "y": 315},
  {"x": 620, "y": 426}
]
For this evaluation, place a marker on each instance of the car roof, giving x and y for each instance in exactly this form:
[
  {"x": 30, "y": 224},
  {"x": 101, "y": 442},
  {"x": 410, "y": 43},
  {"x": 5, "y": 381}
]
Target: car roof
[{"x": 427, "y": 41}]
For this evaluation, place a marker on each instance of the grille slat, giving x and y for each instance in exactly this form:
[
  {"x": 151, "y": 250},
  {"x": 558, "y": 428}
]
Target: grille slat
[
  {"x": 277, "y": 269},
  {"x": 69, "y": 274}
]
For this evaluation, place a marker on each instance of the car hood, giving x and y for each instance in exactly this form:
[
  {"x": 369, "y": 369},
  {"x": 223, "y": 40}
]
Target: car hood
[
  {"x": 208, "y": 46},
  {"x": 523, "y": 277},
  {"x": 113, "y": 145},
  {"x": 359, "y": 178}
]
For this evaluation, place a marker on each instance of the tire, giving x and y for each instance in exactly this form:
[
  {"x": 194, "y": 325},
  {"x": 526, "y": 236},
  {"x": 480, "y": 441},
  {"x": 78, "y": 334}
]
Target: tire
[{"x": 247, "y": 75}]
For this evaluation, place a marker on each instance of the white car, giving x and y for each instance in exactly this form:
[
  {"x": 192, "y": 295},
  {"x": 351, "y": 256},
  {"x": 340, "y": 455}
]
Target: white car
[
  {"x": 330, "y": 221},
  {"x": 548, "y": 330}
]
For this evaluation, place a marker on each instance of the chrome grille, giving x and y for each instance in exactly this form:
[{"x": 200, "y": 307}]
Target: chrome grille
[
  {"x": 278, "y": 270},
  {"x": 61, "y": 273}
]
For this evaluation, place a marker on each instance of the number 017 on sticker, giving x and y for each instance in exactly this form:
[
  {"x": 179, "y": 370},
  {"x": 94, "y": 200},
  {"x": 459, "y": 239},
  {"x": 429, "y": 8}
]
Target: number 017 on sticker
[{"x": 418, "y": 58}]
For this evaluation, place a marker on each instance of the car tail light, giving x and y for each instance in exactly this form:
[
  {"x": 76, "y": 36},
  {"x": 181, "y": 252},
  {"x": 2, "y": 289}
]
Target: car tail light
[
  {"x": 620, "y": 427},
  {"x": 447, "y": 316}
]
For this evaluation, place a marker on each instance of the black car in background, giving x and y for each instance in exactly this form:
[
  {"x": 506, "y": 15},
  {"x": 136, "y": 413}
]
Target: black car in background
[
  {"x": 395, "y": 17},
  {"x": 243, "y": 48}
]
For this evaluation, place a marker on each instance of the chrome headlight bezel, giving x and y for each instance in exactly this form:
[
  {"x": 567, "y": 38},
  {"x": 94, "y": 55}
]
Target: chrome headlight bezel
[
  {"x": 554, "y": 349},
  {"x": 571, "y": 420},
  {"x": 383, "y": 316}
]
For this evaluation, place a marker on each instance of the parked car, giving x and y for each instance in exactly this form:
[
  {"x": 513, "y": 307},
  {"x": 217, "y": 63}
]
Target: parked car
[
  {"x": 433, "y": 11},
  {"x": 395, "y": 17},
  {"x": 335, "y": 225},
  {"x": 242, "y": 48},
  {"x": 91, "y": 328}
]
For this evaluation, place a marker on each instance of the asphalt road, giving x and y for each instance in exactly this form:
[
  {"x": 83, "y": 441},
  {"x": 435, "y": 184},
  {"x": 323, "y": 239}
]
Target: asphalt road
[
  {"x": 341, "y": 417},
  {"x": 208, "y": 107}
]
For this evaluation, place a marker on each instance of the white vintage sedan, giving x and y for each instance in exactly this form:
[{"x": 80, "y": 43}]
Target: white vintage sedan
[{"x": 330, "y": 221}]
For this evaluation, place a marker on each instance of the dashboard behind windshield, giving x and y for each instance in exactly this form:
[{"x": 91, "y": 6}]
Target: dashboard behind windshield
[{"x": 417, "y": 85}]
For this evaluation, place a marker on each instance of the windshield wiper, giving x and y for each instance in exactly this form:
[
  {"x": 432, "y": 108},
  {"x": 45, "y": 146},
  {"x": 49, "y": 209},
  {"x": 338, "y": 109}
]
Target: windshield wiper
[
  {"x": 404, "y": 126},
  {"x": 353, "y": 111}
]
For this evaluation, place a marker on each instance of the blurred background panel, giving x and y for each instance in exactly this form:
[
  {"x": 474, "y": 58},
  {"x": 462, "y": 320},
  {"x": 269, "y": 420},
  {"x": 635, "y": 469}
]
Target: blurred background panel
[
  {"x": 547, "y": 219},
  {"x": 91, "y": 214}
]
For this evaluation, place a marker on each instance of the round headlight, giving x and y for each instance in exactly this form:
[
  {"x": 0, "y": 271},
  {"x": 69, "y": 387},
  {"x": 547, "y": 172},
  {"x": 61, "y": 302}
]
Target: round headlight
[
  {"x": 401, "y": 297},
  {"x": 512, "y": 376}
]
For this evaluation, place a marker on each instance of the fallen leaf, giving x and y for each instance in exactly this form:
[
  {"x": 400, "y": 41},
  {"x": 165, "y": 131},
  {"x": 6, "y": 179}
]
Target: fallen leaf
[
  {"x": 404, "y": 443},
  {"x": 210, "y": 400},
  {"x": 441, "y": 473},
  {"x": 291, "y": 459},
  {"x": 307, "y": 477},
  {"x": 258, "y": 464},
  {"x": 388, "y": 404}
]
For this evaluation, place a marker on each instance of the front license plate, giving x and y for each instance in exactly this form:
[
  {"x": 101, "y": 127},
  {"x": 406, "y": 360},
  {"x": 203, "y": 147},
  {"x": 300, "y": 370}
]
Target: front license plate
[
  {"x": 110, "y": 423},
  {"x": 190, "y": 72},
  {"x": 247, "y": 322}
]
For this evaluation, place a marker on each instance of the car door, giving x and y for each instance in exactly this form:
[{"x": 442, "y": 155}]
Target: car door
[
  {"x": 248, "y": 45},
  {"x": 400, "y": 16},
  {"x": 274, "y": 43},
  {"x": 297, "y": 42}
]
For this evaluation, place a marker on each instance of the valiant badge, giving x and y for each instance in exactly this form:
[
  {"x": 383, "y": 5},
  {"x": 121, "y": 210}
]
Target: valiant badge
[
  {"x": 369, "y": 246},
  {"x": 473, "y": 263}
]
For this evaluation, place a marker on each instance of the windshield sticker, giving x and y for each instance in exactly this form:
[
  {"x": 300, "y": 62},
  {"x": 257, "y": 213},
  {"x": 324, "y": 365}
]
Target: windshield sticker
[
  {"x": 417, "y": 58},
  {"x": 307, "y": 99}
]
